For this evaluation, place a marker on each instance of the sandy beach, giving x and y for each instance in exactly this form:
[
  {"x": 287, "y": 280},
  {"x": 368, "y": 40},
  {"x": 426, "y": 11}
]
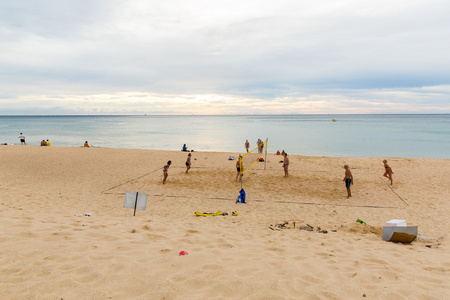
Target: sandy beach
[{"x": 49, "y": 251}]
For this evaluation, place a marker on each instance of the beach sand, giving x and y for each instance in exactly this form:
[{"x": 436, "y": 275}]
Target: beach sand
[{"x": 48, "y": 252}]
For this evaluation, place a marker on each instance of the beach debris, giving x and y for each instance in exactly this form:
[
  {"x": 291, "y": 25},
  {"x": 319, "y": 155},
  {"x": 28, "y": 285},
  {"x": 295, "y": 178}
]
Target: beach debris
[
  {"x": 360, "y": 221},
  {"x": 433, "y": 245},
  {"x": 429, "y": 238},
  {"x": 84, "y": 215},
  {"x": 293, "y": 222},
  {"x": 307, "y": 227},
  {"x": 183, "y": 253}
]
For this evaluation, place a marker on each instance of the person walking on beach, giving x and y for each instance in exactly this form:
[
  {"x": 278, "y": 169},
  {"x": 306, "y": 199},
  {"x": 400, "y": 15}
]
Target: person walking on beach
[
  {"x": 247, "y": 145},
  {"x": 348, "y": 179},
  {"x": 165, "y": 169},
  {"x": 22, "y": 139},
  {"x": 188, "y": 163},
  {"x": 286, "y": 165},
  {"x": 388, "y": 171}
]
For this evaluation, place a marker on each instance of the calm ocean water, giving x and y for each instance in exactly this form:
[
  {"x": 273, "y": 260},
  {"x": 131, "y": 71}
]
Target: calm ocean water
[{"x": 425, "y": 136}]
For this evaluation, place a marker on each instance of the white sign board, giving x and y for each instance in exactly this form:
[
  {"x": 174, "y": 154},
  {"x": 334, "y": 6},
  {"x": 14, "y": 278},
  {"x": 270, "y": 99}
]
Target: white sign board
[{"x": 131, "y": 201}]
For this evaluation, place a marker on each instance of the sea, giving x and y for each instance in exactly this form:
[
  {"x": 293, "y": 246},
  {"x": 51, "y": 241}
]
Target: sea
[{"x": 352, "y": 135}]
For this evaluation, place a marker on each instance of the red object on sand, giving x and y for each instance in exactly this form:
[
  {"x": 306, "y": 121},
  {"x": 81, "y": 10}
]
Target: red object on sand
[{"x": 183, "y": 253}]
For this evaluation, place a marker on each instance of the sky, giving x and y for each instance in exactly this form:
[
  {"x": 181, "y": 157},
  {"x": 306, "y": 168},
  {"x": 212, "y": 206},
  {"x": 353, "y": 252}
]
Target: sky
[{"x": 65, "y": 57}]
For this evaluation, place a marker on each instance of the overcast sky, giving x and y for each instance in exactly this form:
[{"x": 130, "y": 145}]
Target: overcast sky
[{"x": 224, "y": 57}]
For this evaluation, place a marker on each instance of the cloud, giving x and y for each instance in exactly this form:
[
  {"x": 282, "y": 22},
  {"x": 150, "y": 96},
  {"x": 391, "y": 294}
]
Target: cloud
[{"x": 263, "y": 50}]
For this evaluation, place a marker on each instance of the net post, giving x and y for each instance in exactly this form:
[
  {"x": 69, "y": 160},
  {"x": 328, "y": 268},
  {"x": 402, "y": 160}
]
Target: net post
[
  {"x": 241, "y": 167},
  {"x": 265, "y": 159}
]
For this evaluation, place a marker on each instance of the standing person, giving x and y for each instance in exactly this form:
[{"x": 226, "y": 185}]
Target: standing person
[
  {"x": 22, "y": 139},
  {"x": 286, "y": 165},
  {"x": 259, "y": 145},
  {"x": 238, "y": 168},
  {"x": 348, "y": 179},
  {"x": 47, "y": 143},
  {"x": 188, "y": 163},
  {"x": 247, "y": 145},
  {"x": 388, "y": 171},
  {"x": 165, "y": 169}
]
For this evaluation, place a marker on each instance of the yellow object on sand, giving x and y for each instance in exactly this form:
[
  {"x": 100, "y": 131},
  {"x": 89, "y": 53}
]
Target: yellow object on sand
[{"x": 217, "y": 213}]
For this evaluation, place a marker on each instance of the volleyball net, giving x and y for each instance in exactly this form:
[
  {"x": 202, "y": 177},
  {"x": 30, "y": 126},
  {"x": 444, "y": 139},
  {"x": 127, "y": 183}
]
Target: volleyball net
[{"x": 262, "y": 151}]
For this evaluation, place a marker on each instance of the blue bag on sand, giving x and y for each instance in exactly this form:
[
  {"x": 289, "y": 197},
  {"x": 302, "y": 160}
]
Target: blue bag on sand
[{"x": 241, "y": 197}]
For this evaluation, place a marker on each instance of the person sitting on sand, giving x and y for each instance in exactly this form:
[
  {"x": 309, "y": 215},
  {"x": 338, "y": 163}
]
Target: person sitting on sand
[
  {"x": 165, "y": 169},
  {"x": 348, "y": 179},
  {"x": 185, "y": 149},
  {"x": 286, "y": 164},
  {"x": 43, "y": 143},
  {"x": 86, "y": 144},
  {"x": 47, "y": 143},
  {"x": 278, "y": 152},
  {"x": 188, "y": 163},
  {"x": 283, "y": 153},
  {"x": 388, "y": 171}
]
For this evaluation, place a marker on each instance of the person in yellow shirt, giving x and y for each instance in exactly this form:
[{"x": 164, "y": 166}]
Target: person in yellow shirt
[{"x": 48, "y": 143}]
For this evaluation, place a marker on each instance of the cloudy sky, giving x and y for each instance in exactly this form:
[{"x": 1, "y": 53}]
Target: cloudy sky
[{"x": 224, "y": 57}]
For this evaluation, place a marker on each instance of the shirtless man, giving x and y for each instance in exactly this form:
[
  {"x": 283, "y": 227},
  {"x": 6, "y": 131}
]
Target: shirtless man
[
  {"x": 247, "y": 145},
  {"x": 388, "y": 171},
  {"x": 286, "y": 165},
  {"x": 238, "y": 168},
  {"x": 165, "y": 169},
  {"x": 188, "y": 163},
  {"x": 348, "y": 179}
]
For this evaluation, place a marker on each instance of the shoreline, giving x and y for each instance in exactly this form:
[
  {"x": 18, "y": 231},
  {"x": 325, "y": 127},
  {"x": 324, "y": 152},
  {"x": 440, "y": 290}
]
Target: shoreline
[{"x": 237, "y": 152}]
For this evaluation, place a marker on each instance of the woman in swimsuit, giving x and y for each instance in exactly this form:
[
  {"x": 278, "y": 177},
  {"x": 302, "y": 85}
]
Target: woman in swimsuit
[
  {"x": 165, "y": 169},
  {"x": 188, "y": 162},
  {"x": 388, "y": 171}
]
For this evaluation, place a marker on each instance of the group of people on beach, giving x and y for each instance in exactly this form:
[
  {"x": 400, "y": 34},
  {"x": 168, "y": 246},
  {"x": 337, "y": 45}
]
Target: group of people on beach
[
  {"x": 348, "y": 177},
  {"x": 45, "y": 143},
  {"x": 166, "y": 166}
]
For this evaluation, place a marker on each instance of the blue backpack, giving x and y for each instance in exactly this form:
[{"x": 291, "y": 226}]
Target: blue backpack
[{"x": 241, "y": 197}]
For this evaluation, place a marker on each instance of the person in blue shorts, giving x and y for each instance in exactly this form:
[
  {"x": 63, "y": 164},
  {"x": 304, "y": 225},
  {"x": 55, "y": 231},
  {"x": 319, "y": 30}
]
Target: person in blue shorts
[
  {"x": 348, "y": 179},
  {"x": 286, "y": 164}
]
